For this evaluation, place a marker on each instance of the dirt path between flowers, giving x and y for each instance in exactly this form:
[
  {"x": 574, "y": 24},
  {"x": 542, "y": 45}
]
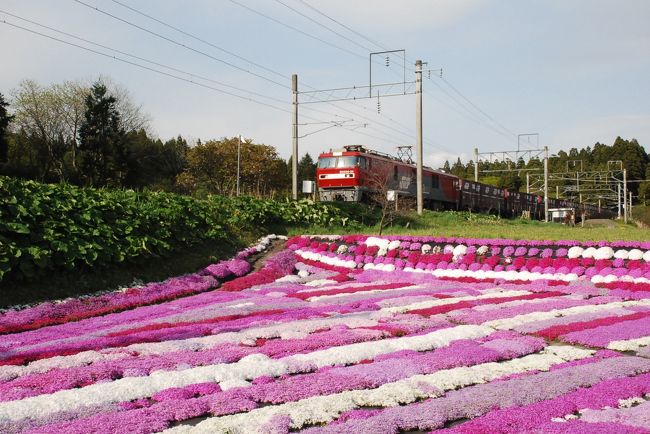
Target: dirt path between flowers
[{"x": 260, "y": 259}]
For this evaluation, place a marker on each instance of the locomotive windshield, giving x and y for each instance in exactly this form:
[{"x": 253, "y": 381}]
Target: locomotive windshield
[{"x": 340, "y": 162}]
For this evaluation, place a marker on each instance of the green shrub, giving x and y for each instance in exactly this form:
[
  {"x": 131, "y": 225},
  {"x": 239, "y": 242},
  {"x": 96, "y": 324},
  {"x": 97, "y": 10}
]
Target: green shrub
[{"x": 45, "y": 227}]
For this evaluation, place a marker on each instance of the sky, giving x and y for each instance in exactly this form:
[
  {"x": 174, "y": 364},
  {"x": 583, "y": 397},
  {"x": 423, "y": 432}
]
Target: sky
[{"x": 573, "y": 72}]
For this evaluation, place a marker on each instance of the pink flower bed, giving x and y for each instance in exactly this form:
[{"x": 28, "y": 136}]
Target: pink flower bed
[{"x": 348, "y": 334}]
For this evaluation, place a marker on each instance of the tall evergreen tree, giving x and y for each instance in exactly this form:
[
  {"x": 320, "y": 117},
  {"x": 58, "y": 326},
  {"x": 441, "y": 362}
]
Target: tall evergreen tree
[
  {"x": 458, "y": 168},
  {"x": 101, "y": 140},
  {"x": 306, "y": 168},
  {"x": 5, "y": 119}
]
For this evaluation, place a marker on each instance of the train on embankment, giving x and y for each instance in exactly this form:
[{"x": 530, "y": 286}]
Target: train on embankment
[{"x": 358, "y": 174}]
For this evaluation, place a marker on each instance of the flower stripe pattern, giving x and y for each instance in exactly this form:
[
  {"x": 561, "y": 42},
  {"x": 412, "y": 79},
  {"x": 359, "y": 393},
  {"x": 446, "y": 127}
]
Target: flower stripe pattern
[{"x": 348, "y": 334}]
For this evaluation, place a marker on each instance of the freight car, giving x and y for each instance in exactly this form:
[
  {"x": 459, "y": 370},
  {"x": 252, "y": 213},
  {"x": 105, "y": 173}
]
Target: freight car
[{"x": 355, "y": 174}]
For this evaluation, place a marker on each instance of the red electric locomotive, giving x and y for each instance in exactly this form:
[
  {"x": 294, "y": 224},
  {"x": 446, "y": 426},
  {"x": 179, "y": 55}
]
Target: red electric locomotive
[{"x": 354, "y": 173}]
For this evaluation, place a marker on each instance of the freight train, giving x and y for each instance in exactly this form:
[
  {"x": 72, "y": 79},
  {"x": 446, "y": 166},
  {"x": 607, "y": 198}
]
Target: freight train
[{"x": 356, "y": 174}]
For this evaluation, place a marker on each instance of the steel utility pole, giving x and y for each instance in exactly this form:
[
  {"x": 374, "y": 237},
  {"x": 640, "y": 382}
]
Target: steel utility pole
[
  {"x": 294, "y": 159},
  {"x": 546, "y": 183},
  {"x": 418, "y": 132},
  {"x": 619, "y": 199},
  {"x": 475, "y": 164},
  {"x": 624, "y": 195},
  {"x": 630, "y": 205}
]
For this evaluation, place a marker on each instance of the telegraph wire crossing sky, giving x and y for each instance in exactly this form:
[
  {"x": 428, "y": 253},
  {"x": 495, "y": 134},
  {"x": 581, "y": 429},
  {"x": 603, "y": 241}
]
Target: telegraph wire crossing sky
[{"x": 574, "y": 72}]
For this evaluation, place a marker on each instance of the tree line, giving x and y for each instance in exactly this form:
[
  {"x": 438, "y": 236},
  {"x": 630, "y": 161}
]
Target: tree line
[
  {"x": 634, "y": 157},
  {"x": 93, "y": 134}
]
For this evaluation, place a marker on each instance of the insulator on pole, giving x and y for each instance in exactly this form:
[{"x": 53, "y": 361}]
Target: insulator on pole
[{"x": 387, "y": 61}]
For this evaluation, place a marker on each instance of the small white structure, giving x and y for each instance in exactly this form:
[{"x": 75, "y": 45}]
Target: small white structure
[
  {"x": 308, "y": 187},
  {"x": 558, "y": 214}
]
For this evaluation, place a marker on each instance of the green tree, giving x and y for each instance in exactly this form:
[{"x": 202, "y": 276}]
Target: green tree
[
  {"x": 306, "y": 169},
  {"x": 635, "y": 159},
  {"x": 458, "y": 168},
  {"x": 644, "y": 193},
  {"x": 5, "y": 119},
  {"x": 39, "y": 120},
  {"x": 101, "y": 140},
  {"x": 212, "y": 168}
]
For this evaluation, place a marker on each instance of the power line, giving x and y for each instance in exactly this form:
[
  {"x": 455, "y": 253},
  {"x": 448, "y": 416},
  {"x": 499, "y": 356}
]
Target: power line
[
  {"x": 171, "y": 68},
  {"x": 295, "y": 29},
  {"x": 110, "y": 56},
  {"x": 180, "y": 44},
  {"x": 388, "y": 137},
  {"x": 474, "y": 119},
  {"x": 323, "y": 25},
  {"x": 467, "y": 115},
  {"x": 199, "y": 39},
  {"x": 139, "y": 12},
  {"x": 472, "y": 115},
  {"x": 306, "y": 34},
  {"x": 342, "y": 25},
  {"x": 476, "y": 107}
]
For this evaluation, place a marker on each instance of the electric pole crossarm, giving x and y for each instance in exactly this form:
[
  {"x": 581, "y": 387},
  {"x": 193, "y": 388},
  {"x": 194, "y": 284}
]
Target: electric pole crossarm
[{"x": 357, "y": 93}]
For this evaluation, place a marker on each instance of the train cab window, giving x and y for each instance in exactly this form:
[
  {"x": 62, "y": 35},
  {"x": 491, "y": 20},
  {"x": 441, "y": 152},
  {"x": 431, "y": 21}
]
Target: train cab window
[
  {"x": 395, "y": 173},
  {"x": 347, "y": 162},
  {"x": 362, "y": 163},
  {"x": 327, "y": 162}
]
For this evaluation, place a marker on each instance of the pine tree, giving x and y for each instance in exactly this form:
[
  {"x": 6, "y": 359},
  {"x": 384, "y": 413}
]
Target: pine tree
[
  {"x": 101, "y": 140},
  {"x": 306, "y": 168}
]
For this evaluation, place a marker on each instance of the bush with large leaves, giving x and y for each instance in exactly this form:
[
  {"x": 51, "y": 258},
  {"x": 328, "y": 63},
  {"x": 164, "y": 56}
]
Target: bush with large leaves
[{"x": 49, "y": 227}]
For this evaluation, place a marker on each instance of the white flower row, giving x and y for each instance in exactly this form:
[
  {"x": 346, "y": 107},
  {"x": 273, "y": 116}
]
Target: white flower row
[
  {"x": 518, "y": 320},
  {"x": 289, "y": 330},
  {"x": 608, "y": 253},
  {"x": 478, "y": 274},
  {"x": 320, "y": 282},
  {"x": 461, "y": 249},
  {"x": 354, "y": 353},
  {"x": 444, "y": 301},
  {"x": 330, "y": 260},
  {"x": 573, "y": 252},
  {"x": 324, "y": 409},
  {"x": 629, "y": 344},
  {"x": 247, "y": 368}
]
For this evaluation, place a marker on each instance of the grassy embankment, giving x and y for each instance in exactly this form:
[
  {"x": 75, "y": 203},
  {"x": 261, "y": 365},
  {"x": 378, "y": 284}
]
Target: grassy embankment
[
  {"x": 642, "y": 214},
  {"x": 455, "y": 224}
]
